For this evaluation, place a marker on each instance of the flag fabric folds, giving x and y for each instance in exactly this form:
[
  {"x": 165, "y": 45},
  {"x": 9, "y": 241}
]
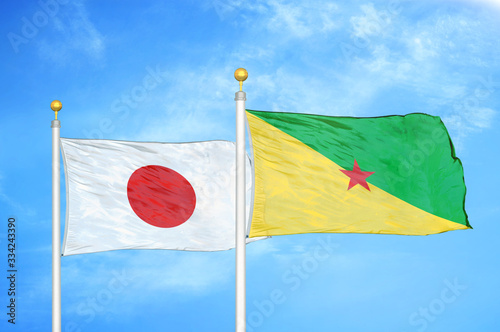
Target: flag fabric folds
[
  {"x": 385, "y": 175},
  {"x": 132, "y": 195}
]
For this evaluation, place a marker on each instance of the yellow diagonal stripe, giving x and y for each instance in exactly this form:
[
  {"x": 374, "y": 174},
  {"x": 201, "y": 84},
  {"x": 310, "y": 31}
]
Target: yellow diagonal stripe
[{"x": 298, "y": 190}]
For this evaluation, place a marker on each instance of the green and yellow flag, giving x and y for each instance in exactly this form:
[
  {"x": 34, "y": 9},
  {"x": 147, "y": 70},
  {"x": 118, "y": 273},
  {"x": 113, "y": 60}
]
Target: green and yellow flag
[{"x": 384, "y": 175}]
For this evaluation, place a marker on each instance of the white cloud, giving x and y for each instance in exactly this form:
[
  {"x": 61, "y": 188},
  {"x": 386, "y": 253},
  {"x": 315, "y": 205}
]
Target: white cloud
[
  {"x": 261, "y": 248},
  {"x": 188, "y": 273},
  {"x": 301, "y": 21},
  {"x": 468, "y": 120},
  {"x": 77, "y": 35},
  {"x": 197, "y": 104},
  {"x": 289, "y": 19},
  {"x": 373, "y": 22},
  {"x": 121, "y": 282},
  {"x": 247, "y": 52},
  {"x": 178, "y": 271},
  {"x": 422, "y": 48},
  {"x": 14, "y": 206},
  {"x": 418, "y": 56},
  {"x": 480, "y": 117},
  {"x": 494, "y": 4},
  {"x": 191, "y": 104}
]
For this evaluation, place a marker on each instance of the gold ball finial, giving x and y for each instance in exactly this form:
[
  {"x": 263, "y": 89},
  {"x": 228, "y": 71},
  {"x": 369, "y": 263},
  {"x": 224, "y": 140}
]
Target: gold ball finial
[
  {"x": 241, "y": 74},
  {"x": 56, "y": 106}
]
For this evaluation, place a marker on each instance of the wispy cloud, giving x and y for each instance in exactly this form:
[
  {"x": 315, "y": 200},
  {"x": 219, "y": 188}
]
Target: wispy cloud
[
  {"x": 397, "y": 52},
  {"x": 301, "y": 21},
  {"x": 191, "y": 273},
  {"x": 77, "y": 36},
  {"x": 417, "y": 57},
  {"x": 289, "y": 19},
  {"x": 468, "y": 121},
  {"x": 131, "y": 278},
  {"x": 495, "y": 4},
  {"x": 14, "y": 206},
  {"x": 191, "y": 103},
  {"x": 371, "y": 22}
]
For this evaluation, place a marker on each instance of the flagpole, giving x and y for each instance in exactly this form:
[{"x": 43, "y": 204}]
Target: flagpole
[
  {"x": 56, "y": 220},
  {"x": 240, "y": 74}
]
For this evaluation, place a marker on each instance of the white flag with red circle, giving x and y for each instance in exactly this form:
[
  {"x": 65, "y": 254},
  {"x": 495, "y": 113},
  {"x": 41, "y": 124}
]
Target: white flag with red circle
[{"x": 135, "y": 195}]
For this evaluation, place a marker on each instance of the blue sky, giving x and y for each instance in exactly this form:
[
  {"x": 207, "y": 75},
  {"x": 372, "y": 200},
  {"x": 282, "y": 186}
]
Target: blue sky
[{"x": 356, "y": 58}]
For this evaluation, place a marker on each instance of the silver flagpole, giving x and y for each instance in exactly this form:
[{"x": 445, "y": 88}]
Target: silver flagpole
[
  {"x": 56, "y": 221},
  {"x": 240, "y": 74}
]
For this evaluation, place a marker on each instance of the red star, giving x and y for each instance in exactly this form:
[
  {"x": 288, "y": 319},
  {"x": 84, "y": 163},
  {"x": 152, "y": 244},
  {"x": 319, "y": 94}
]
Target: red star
[{"x": 357, "y": 176}]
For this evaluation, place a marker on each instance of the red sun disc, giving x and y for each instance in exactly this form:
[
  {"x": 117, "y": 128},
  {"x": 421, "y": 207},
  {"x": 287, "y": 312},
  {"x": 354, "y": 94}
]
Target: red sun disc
[{"x": 160, "y": 196}]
